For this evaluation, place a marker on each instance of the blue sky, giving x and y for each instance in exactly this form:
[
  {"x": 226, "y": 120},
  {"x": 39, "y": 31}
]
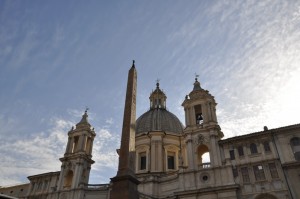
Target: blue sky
[{"x": 59, "y": 57}]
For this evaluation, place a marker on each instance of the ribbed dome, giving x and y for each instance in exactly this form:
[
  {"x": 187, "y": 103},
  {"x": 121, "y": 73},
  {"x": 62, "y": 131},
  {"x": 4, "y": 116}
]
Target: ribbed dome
[{"x": 158, "y": 119}]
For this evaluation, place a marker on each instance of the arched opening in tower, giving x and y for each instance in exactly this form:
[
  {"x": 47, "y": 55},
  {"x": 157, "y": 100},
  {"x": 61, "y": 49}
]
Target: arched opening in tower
[
  {"x": 203, "y": 157},
  {"x": 198, "y": 114}
]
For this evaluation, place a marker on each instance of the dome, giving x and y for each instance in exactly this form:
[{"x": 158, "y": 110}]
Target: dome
[{"x": 158, "y": 119}]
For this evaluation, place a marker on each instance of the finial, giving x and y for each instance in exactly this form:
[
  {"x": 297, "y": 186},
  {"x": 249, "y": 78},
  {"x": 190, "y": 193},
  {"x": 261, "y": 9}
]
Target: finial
[
  {"x": 157, "y": 83},
  {"x": 133, "y": 61},
  {"x": 196, "y": 77},
  {"x": 84, "y": 119},
  {"x": 196, "y": 84}
]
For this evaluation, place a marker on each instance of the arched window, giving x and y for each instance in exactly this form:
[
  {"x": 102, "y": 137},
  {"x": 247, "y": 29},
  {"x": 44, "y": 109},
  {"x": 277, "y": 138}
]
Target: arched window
[
  {"x": 253, "y": 148},
  {"x": 203, "y": 156},
  {"x": 198, "y": 114},
  {"x": 295, "y": 144}
]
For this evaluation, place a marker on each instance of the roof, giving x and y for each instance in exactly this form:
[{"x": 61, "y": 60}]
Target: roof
[
  {"x": 44, "y": 174},
  {"x": 158, "y": 119},
  {"x": 260, "y": 133}
]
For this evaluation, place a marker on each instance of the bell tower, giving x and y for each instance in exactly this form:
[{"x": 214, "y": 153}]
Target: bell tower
[
  {"x": 77, "y": 160},
  {"x": 200, "y": 107},
  {"x": 202, "y": 131}
]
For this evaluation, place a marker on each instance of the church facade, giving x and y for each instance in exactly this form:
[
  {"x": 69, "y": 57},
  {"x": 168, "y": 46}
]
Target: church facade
[{"x": 177, "y": 161}]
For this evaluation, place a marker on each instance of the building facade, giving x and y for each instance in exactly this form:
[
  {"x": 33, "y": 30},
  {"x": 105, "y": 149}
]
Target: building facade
[{"x": 189, "y": 161}]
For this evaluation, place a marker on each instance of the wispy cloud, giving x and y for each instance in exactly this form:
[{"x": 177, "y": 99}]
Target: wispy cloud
[
  {"x": 40, "y": 153},
  {"x": 109, "y": 121},
  {"x": 36, "y": 154},
  {"x": 247, "y": 55}
]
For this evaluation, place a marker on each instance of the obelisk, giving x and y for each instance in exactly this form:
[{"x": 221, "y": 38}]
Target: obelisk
[{"x": 124, "y": 185}]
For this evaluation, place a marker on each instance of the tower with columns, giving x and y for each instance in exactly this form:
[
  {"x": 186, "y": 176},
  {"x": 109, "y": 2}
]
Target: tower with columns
[
  {"x": 77, "y": 160},
  {"x": 202, "y": 131}
]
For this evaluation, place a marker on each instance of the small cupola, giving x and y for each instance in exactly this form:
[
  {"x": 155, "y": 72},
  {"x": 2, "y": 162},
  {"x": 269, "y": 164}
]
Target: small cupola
[
  {"x": 157, "y": 98},
  {"x": 197, "y": 86},
  {"x": 199, "y": 106},
  {"x": 84, "y": 121}
]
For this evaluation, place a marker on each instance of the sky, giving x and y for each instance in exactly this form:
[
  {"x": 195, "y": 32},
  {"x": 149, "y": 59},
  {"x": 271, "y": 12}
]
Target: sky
[{"x": 59, "y": 57}]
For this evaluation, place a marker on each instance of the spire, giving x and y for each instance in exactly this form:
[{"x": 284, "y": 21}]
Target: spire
[
  {"x": 157, "y": 84},
  {"x": 84, "y": 119},
  {"x": 196, "y": 84}
]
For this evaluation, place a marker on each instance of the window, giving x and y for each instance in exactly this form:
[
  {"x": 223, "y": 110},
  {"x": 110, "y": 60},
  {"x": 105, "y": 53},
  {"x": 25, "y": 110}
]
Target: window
[
  {"x": 45, "y": 185},
  {"x": 75, "y": 144},
  {"x": 253, "y": 148},
  {"x": 203, "y": 157},
  {"x": 241, "y": 151},
  {"x": 273, "y": 170},
  {"x": 199, "y": 119},
  {"x": 143, "y": 161},
  {"x": 171, "y": 160},
  {"x": 267, "y": 146},
  {"x": 295, "y": 141},
  {"x": 245, "y": 174},
  {"x": 295, "y": 144},
  {"x": 259, "y": 172},
  {"x": 235, "y": 172},
  {"x": 198, "y": 114},
  {"x": 232, "y": 156}
]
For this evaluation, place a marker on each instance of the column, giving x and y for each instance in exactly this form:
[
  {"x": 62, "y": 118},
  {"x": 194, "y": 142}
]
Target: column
[
  {"x": 81, "y": 141},
  {"x": 205, "y": 113},
  {"x": 159, "y": 155},
  {"x": 190, "y": 152},
  {"x": 68, "y": 146},
  {"x": 213, "y": 152},
  {"x": 71, "y": 145},
  {"x": 193, "y": 116},
  {"x": 90, "y": 150},
  {"x": 209, "y": 112}
]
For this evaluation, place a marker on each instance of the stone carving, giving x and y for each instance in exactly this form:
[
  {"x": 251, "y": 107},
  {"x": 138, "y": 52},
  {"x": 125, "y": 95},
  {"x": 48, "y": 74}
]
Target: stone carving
[{"x": 200, "y": 139}]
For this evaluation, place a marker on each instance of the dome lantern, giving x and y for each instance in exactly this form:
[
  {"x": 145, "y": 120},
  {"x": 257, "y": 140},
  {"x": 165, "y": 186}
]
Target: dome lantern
[
  {"x": 158, "y": 118},
  {"x": 157, "y": 98}
]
